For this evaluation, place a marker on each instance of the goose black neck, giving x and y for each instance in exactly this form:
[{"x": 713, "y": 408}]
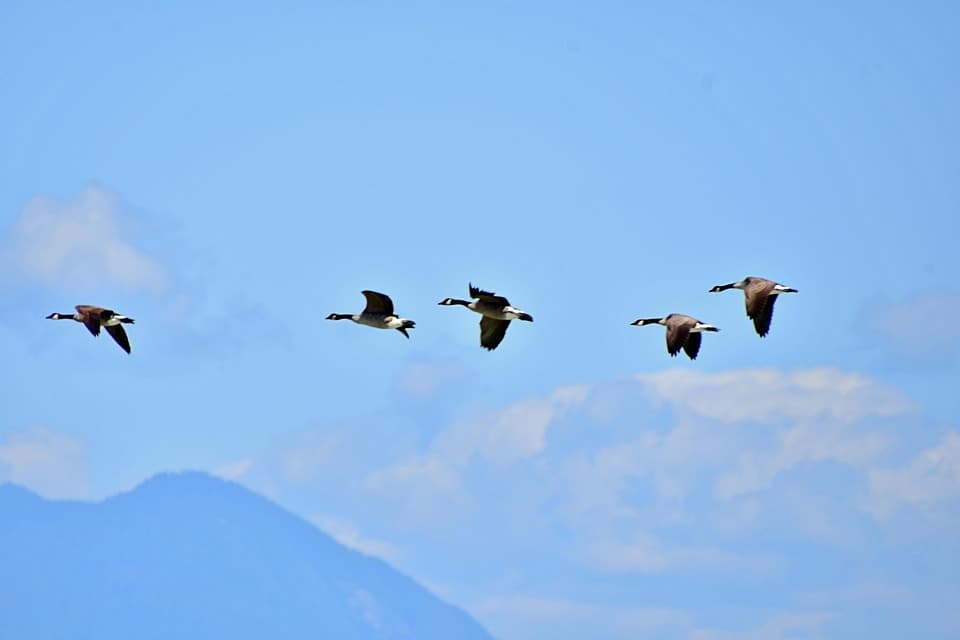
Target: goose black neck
[{"x": 339, "y": 316}]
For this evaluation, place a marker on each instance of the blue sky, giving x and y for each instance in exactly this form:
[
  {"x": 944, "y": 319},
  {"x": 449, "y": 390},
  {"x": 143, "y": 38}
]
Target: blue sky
[{"x": 230, "y": 175}]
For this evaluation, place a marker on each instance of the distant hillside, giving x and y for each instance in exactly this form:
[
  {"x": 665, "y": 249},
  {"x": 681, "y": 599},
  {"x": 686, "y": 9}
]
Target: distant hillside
[{"x": 189, "y": 556}]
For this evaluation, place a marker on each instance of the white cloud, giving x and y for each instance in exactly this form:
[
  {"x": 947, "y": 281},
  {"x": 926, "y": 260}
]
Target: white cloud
[
  {"x": 531, "y": 616},
  {"x": 618, "y": 489},
  {"x": 735, "y": 432},
  {"x": 770, "y": 395},
  {"x": 806, "y": 442},
  {"x": 547, "y": 617},
  {"x": 501, "y": 437},
  {"x": 347, "y": 534},
  {"x": 929, "y": 604},
  {"x": 619, "y": 494},
  {"x": 310, "y": 456},
  {"x": 931, "y": 477},
  {"x": 78, "y": 243},
  {"x": 49, "y": 463},
  {"x": 519, "y": 431},
  {"x": 862, "y": 594},
  {"x": 646, "y": 554},
  {"x": 802, "y": 625},
  {"x": 673, "y": 461},
  {"x": 234, "y": 470},
  {"x": 744, "y": 428},
  {"x": 423, "y": 476},
  {"x": 302, "y": 462}
]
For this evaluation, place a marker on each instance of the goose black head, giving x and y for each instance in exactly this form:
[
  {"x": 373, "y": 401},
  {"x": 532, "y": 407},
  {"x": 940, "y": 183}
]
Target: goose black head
[
  {"x": 723, "y": 287},
  {"x": 642, "y": 322}
]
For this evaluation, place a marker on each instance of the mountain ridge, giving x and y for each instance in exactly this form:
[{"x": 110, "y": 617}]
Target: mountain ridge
[{"x": 190, "y": 555}]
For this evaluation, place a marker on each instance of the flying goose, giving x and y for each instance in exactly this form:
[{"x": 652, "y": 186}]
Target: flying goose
[
  {"x": 760, "y": 295},
  {"x": 683, "y": 332},
  {"x": 95, "y": 317},
  {"x": 497, "y": 314},
  {"x": 377, "y": 314}
]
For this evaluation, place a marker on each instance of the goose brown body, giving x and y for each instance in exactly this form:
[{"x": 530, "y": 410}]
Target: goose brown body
[
  {"x": 683, "y": 332},
  {"x": 94, "y": 318},
  {"x": 759, "y": 295}
]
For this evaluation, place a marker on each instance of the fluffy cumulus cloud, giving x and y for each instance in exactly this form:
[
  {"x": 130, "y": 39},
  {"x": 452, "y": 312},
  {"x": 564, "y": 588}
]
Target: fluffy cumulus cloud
[
  {"x": 736, "y": 479},
  {"x": 770, "y": 395},
  {"x": 49, "y": 463},
  {"x": 805, "y": 442},
  {"x": 78, "y": 243},
  {"x": 501, "y": 438},
  {"x": 515, "y": 432}
]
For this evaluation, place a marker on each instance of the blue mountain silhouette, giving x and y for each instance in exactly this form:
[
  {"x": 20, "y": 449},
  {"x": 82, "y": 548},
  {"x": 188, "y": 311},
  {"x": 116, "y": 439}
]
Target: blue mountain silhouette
[{"x": 188, "y": 556}]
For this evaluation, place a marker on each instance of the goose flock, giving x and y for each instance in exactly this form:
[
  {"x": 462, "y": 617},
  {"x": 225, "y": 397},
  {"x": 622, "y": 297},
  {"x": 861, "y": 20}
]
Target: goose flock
[
  {"x": 495, "y": 310},
  {"x": 496, "y": 314}
]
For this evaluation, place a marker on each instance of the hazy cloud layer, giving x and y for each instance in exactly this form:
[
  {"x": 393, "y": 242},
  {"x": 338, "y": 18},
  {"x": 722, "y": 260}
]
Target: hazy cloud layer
[
  {"x": 678, "y": 473},
  {"x": 424, "y": 379},
  {"x": 567, "y": 619},
  {"x": 922, "y": 326},
  {"x": 49, "y": 463},
  {"x": 771, "y": 395},
  {"x": 932, "y": 477},
  {"x": 347, "y": 534},
  {"x": 78, "y": 243}
]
